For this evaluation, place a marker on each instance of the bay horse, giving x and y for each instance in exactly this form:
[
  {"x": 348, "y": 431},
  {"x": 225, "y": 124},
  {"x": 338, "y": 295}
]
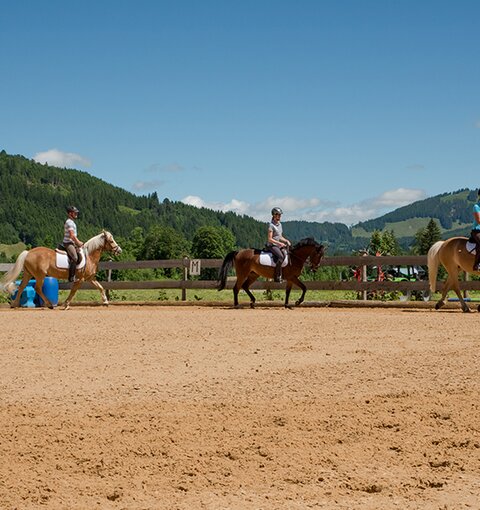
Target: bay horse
[
  {"x": 453, "y": 255},
  {"x": 40, "y": 262},
  {"x": 248, "y": 269}
]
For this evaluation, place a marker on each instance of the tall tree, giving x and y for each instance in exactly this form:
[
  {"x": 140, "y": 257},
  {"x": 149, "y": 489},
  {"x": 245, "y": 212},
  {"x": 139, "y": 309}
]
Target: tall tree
[{"x": 426, "y": 237}]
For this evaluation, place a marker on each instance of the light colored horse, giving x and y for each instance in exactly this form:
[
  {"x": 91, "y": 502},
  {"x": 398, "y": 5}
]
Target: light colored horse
[
  {"x": 40, "y": 262},
  {"x": 453, "y": 255}
]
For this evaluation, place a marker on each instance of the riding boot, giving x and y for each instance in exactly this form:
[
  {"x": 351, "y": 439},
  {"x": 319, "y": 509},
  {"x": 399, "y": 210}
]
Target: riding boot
[
  {"x": 278, "y": 272},
  {"x": 71, "y": 271},
  {"x": 476, "y": 265}
]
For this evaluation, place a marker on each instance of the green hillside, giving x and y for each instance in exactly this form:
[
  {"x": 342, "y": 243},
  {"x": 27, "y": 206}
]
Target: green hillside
[
  {"x": 453, "y": 212},
  {"x": 33, "y": 198}
]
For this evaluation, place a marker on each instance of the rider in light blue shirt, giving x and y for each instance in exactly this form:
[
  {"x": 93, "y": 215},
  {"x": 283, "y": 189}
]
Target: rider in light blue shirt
[{"x": 475, "y": 234}]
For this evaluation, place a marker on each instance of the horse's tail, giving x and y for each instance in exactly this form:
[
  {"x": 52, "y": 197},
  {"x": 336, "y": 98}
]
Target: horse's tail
[
  {"x": 226, "y": 266},
  {"x": 7, "y": 283},
  {"x": 433, "y": 263}
]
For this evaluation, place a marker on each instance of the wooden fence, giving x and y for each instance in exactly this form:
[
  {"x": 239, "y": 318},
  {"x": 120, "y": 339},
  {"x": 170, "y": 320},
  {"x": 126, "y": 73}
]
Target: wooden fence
[{"x": 191, "y": 283}]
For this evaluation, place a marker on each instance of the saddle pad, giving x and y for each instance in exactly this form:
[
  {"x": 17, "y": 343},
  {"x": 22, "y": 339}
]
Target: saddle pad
[
  {"x": 471, "y": 247},
  {"x": 266, "y": 259},
  {"x": 62, "y": 262}
]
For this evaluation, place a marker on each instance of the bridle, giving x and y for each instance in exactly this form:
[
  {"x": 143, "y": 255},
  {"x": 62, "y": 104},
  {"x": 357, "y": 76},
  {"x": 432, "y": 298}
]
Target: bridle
[{"x": 112, "y": 245}]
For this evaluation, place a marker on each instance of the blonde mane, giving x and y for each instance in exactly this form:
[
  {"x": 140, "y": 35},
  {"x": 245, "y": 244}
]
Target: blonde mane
[{"x": 95, "y": 243}]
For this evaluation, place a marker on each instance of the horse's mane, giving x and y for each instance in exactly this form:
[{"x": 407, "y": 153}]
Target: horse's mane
[
  {"x": 308, "y": 241},
  {"x": 94, "y": 243}
]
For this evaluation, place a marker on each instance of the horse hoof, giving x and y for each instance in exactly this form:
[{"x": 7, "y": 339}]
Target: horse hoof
[
  {"x": 252, "y": 305},
  {"x": 289, "y": 307},
  {"x": 466, "y": 310},
  {"x": 438, "y": 306}
]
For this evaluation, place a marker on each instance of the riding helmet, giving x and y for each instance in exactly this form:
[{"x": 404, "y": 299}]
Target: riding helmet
[
  {"x": 72, "y": 208},
  {"x": 276, "y": 210}
]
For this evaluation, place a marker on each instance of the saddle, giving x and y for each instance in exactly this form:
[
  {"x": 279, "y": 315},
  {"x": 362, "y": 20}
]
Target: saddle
[
  {"x": 471, "y": 246},
  {"x": 266, "y": 259},
  {"x": 62, "y": 260}
]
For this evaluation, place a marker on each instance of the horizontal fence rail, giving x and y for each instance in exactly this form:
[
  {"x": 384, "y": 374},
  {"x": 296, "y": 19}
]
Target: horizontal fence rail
[{"x": 187, "y": 283}]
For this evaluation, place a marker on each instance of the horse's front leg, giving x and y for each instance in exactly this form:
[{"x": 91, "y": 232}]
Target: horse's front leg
[
  {"x": 97, "y": 285},
  {"x": 287, "y": 293},
  {"x": 73, "y": 291},
  {"x": 301, "y": 286}
]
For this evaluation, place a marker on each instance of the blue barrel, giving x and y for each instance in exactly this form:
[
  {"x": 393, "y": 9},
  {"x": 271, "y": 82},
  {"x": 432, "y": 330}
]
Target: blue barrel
[
  {"x": 50, "y": 289},
  {"x": 27, "y": 299},
  {"x": 30, "y": 299}
]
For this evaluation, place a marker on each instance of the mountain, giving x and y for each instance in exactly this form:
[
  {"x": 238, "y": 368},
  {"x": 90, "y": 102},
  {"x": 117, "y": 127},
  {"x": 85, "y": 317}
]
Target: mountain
[
  {"x": 452, "y": 211},
  {"x": 33, "y": 198}
]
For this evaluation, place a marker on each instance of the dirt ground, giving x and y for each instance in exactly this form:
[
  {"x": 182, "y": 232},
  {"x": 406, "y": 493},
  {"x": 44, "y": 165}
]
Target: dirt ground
[{"x": 214, "y": 408}]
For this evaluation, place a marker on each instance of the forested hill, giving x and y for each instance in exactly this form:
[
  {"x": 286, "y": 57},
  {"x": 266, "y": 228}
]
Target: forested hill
[
  {"x": 452, "y": 211},
  {"x": 33, "y": 198}
]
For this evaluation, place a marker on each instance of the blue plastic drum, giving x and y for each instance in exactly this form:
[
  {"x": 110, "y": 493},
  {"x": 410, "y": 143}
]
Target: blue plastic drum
[
  {"x": 50, "y": 289},
  {"x": 30, "y": 299}
]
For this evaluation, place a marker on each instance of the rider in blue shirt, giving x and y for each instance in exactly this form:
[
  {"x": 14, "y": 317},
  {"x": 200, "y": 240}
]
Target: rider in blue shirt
[{"x": 476, "y": 232}]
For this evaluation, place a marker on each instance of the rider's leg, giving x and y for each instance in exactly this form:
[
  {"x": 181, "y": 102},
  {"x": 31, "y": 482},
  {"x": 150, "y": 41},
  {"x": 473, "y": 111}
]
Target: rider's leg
[
  {"x": 73, "y": 259},
  {"x": 279, "y": 257},
  {"x": 476, "y": 237}
]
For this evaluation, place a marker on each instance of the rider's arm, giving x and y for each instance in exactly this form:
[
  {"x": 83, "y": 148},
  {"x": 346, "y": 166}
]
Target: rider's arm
[
  {"x": 285, "y": 240},
  {"x": 74, "y": 238},
  {"x": 272, "y": 240},
  {"x": 476, "y": 215}
]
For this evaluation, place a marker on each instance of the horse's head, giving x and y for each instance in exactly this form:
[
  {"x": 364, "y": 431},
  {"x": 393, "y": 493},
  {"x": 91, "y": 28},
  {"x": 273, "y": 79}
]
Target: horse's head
[
  {"x": 309, "y": 249},
  {"x": 316, "y": 256},
  {"x": 110, "y": 244}
]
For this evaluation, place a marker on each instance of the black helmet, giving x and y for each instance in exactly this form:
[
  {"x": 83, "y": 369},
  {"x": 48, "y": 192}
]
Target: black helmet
[
  {"x": 72, "y": 208},
  {"x": 276, "y": 210}
]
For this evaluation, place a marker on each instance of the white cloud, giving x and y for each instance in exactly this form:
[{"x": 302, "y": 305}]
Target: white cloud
[
  {"x": 315, "y": 209},
  {"x": 169, "y": 168},
  {"x": 147, "y": 185},
  {"x": 54, "y": 157},
  {"x": 398, "y": 198},
  {"x": 416, "y": 167}
]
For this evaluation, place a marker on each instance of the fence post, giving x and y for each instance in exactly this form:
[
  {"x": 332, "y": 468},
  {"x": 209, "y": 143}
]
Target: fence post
[
  {"x": 364, "y": 279},
  {"x": 467, "y": 279},
  {"x": 186, "y": 263},
  {"x": 109, "y": 279}
]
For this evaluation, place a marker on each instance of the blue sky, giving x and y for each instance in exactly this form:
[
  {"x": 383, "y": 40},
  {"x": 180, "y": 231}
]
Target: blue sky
[{"x": 335, "y": 110}]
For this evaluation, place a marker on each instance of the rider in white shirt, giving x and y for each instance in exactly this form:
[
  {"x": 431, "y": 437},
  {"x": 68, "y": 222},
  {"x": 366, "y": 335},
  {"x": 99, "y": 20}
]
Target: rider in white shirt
[{"x": 70, "y": 240}]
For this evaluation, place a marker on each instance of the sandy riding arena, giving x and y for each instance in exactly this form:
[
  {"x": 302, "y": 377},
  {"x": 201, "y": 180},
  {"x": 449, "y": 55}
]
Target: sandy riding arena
[{"x": 214, "y": 408}]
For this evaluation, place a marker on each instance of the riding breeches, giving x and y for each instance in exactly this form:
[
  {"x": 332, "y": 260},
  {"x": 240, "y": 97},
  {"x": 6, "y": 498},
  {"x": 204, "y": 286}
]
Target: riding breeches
[
  {"x": 278, "y": 253},
  {"x": 72, "y": 252}
]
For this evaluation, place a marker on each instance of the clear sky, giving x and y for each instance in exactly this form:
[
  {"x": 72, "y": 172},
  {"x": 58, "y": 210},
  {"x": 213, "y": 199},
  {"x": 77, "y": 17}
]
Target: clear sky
[{"x": 335, "y": 110}]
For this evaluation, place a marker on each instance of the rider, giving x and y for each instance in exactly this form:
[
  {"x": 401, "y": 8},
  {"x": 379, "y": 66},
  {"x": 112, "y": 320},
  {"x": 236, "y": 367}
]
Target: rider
[
  {"x": 71, "y": 242},
  {"x": 276, "y": 243},
  {"x": 476, "y": 232}
]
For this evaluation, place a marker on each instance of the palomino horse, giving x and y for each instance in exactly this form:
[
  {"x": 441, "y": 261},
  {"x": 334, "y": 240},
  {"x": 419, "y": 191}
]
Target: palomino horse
[
  {"x": 453, "y": 255},
  {"x": 40, "y": 262},
  {"x": 248, "y": 268}
]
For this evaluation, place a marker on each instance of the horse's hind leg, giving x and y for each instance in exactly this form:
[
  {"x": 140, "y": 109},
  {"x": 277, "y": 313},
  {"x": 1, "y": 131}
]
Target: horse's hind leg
[
  {"x": 38, "y": 289},
  {"x": 458, "y": 292},
  {"x": 26, "y": 277}
]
